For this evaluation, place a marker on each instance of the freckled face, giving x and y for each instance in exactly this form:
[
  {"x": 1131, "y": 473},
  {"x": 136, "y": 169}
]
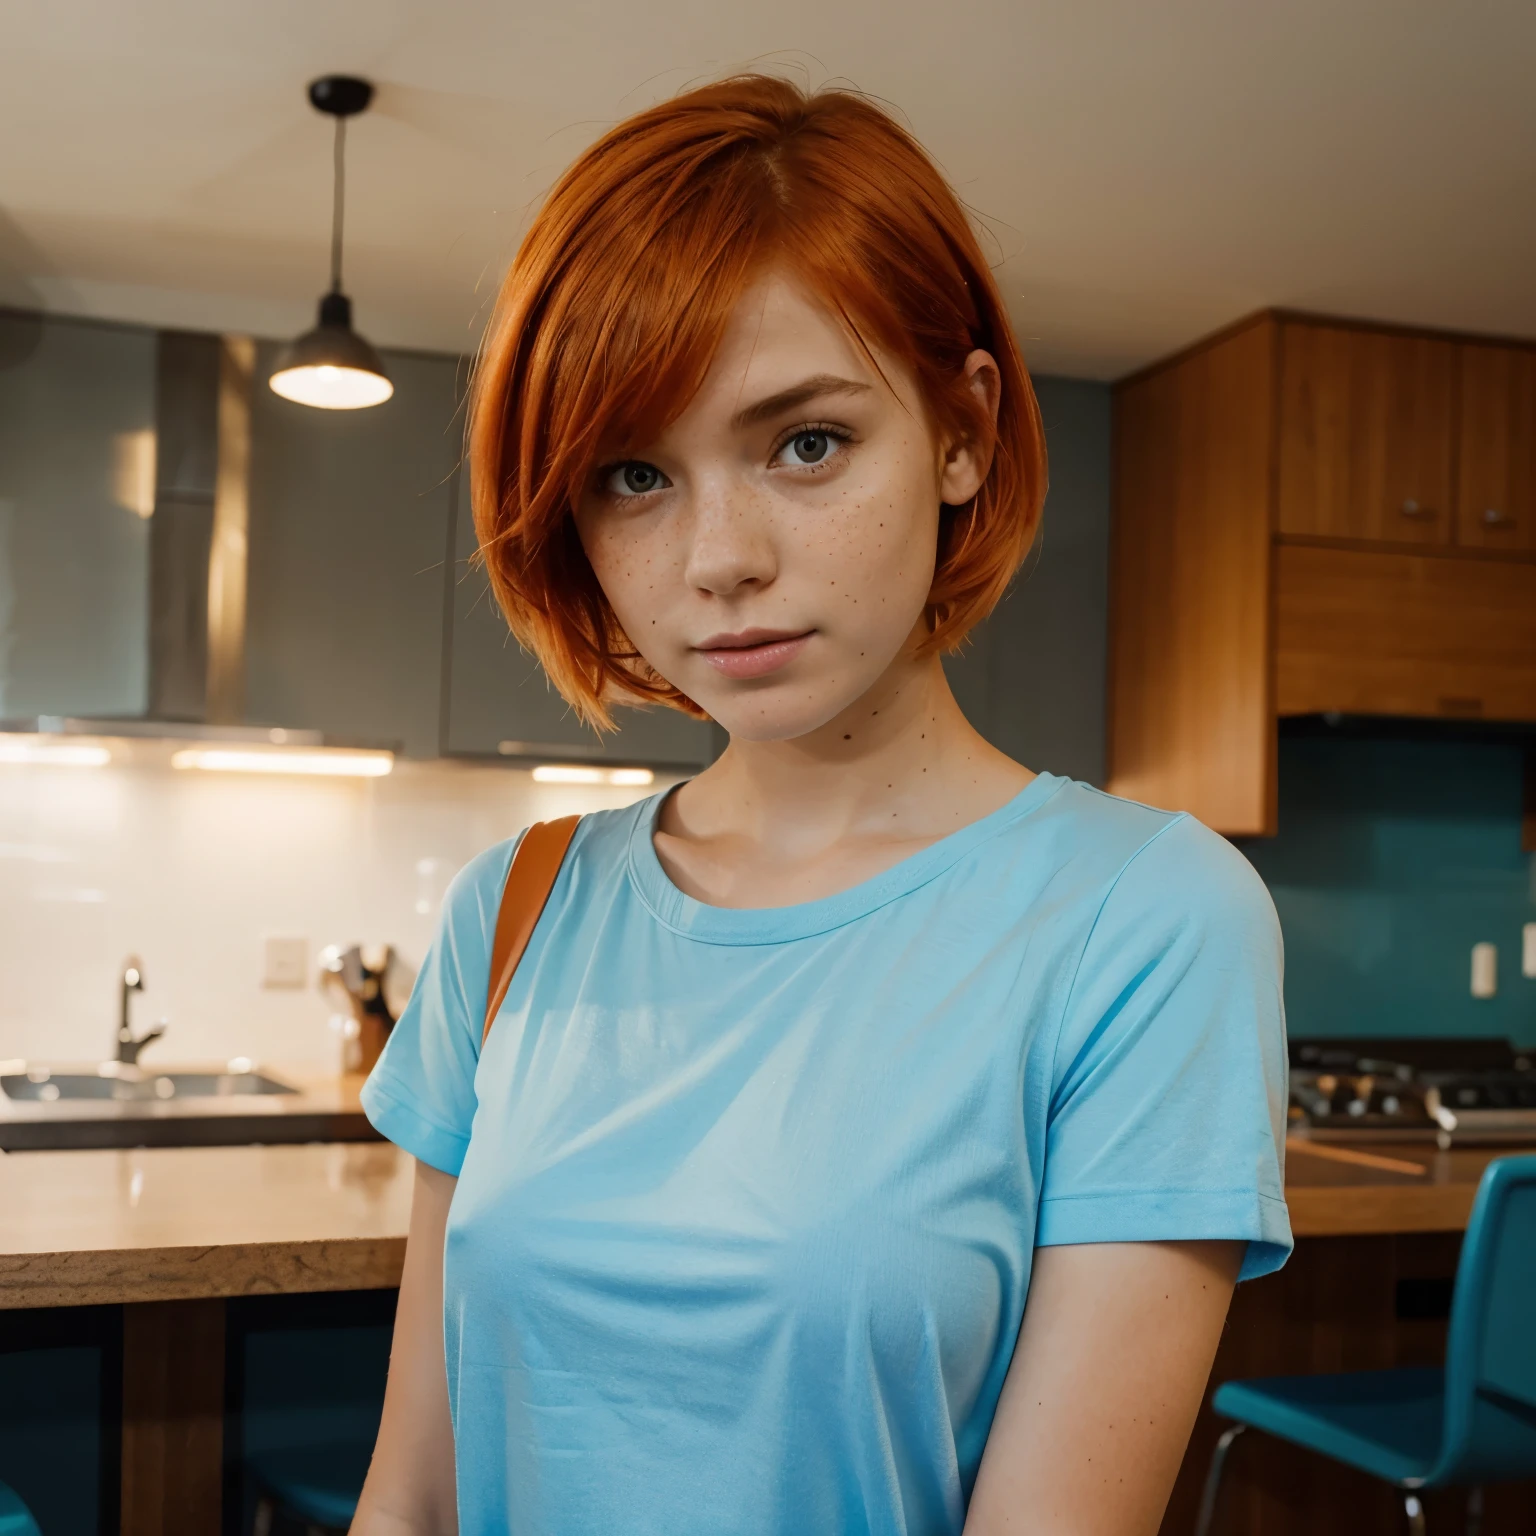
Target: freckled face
[{"x": 771, "y": 552}]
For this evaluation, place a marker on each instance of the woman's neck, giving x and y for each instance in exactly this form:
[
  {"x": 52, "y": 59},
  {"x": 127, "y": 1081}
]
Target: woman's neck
[{"x": 772, "y": 823}]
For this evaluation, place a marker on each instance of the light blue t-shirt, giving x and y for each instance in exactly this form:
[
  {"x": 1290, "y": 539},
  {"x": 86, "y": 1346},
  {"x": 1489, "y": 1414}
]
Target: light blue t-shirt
[{"x": 747, "y": 1198}]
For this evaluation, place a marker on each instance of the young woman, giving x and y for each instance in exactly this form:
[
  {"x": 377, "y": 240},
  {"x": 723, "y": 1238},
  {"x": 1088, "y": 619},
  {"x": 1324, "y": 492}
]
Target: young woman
[{"x": 820, "y": 1067}]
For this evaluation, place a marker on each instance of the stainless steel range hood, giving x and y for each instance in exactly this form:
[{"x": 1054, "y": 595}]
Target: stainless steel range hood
[{"x": 197, "y": 533}]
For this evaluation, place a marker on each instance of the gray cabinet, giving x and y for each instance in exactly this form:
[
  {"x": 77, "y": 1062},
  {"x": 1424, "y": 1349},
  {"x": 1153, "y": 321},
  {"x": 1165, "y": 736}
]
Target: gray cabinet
[
  {"x": 1031, "y": 680},
  {"x": 350, "y": 517},
  {"x": 498, "y": 701},
  {"x": 77, "y": 488}
]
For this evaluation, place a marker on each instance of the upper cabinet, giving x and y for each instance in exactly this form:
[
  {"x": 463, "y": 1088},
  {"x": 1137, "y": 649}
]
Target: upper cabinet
[
  {"x": 498, "y": 700},
  {"x": 349, "y": 522},
  {"x": 179, "y": 543},
  {"x": 77, "y": 493},
  {"x": 1365, "y": 434},
  {"x": 1313, "y": 517},
  {"x": 1496, "y": 499}
]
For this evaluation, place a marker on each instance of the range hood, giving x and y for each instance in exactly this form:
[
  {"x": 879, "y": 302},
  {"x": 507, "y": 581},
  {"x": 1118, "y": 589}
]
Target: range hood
[{"x": 197, "y": 562}]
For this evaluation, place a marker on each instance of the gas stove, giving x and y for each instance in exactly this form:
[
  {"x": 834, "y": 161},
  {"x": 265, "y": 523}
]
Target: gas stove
[{"x": 1453, "y": 1092}]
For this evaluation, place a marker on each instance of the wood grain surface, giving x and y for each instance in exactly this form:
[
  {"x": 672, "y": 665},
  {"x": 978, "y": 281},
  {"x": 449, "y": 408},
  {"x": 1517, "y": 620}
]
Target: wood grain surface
[
  {"x": 1496, "y": 472},
  {"x": 1191, "y": 725},
  {"x": 1331, "y": 1197},
  {"x": 1387, "y": 633},
  {"x": 1366, "y": 428},
  {"x": 173, "y": 1418}
]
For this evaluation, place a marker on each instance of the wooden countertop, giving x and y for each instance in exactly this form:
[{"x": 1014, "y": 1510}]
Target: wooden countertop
[
  {"x": 173, "y": 1223},
  {"x": 1344, "y": 1191}
]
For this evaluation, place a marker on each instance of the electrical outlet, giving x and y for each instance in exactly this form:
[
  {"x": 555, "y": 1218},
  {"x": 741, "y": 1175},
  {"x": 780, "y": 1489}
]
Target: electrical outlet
[
  {"x": 1528, "y": 951},
  {"x": 285, "y": 962},
  {"x": 1485, "y": 970}
]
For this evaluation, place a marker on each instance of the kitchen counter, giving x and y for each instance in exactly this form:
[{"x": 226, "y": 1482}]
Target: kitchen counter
[
  {"x": 321, "y": 1109},
  {"x": 174, "y": 1232},
  {"x": 1376, "y": 1190},
  {"x": 175, "y": 1223},
  {"x": 164, "y": 1224}
]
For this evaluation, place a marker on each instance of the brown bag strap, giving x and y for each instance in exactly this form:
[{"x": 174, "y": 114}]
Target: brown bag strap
[{"x": 531, "y": 878}]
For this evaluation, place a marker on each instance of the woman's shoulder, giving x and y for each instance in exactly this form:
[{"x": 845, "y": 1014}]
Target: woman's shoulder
[
  {"x": 1153, "y": 863},
  {"x": 601, "y": 843}
]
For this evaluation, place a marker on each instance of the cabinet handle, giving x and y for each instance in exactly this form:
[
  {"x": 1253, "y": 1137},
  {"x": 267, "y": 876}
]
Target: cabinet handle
[
  {"x": 1494, "y": 518},
  {"x": 1412, "y": 509}
]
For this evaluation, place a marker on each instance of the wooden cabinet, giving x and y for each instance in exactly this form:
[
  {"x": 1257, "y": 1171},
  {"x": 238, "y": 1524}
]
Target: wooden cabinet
[
  {"x": 1365, "y": 434},
  {"x": 1381, "y": 632},
  {"x": 1263, "y": 565},
  {"x": 1496, "y": 491},
  {"x": 1190, "y": 716}
]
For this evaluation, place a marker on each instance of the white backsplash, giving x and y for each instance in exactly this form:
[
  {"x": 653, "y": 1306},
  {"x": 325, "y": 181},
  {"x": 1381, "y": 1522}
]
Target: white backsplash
[{"x": 192, "y": 871}]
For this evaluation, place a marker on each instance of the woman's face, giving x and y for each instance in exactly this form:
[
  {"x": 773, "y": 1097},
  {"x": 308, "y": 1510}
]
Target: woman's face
[{"x": 770, "y": 554}]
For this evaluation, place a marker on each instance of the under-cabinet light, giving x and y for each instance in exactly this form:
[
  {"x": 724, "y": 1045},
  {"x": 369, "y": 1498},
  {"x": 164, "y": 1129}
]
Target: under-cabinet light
[
  {"x": 53, "y": 754},
  {"x": 336, "y": 764},
  {"x": 579, "y": 773}
]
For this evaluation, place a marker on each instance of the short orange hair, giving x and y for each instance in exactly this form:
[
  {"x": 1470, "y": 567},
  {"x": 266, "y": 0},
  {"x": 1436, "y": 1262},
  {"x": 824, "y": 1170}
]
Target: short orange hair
[{"x": 621, "y": 291}]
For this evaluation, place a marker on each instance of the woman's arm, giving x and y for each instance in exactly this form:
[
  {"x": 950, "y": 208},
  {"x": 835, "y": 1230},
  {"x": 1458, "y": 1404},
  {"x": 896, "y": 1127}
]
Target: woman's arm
[
  {"x": 1110, "y": 1367},
  {"x": 410, "y": 1487}
]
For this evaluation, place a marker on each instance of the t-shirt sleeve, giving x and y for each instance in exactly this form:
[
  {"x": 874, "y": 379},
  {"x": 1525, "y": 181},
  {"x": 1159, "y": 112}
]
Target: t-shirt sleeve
[
  {"x": 421, "y": 1094},
  {"x": 1167, "y": 1112}
]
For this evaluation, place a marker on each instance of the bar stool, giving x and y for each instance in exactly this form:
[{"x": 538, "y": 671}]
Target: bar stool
[
  {"x": 318, "y": 1485},
  {"x": 15, "y": 1518},
  {"x": 1469, "y": 1423}
]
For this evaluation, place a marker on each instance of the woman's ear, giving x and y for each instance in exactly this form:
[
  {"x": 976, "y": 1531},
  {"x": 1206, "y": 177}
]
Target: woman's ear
[{"x": 966, "y": 462}]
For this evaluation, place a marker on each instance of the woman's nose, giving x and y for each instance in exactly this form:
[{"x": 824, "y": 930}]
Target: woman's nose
[{"x": 732, "y": 544}]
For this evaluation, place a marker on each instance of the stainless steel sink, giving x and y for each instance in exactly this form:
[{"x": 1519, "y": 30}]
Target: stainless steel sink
[
  {"x": 49, "y": 1087},
  {"x": 60, "y": 1105}
]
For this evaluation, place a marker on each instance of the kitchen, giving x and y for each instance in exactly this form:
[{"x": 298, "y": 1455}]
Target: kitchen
[{"x": 260, "y": 708}]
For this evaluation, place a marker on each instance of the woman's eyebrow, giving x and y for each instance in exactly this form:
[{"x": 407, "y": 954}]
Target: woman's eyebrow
[{"x": 813, "y": 388}]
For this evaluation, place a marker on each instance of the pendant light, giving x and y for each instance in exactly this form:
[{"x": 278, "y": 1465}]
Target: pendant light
[{"x": 332, "y": 366}]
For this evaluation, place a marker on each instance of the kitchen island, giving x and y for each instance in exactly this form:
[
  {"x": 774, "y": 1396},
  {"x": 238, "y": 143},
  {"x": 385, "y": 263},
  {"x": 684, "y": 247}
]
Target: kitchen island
[
  {"x": 170, "y": 1234},
  {"x": 184, "y": 1223}
]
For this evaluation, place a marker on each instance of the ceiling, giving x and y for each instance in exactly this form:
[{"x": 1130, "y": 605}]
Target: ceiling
[{"x": 1146, "y": 173}]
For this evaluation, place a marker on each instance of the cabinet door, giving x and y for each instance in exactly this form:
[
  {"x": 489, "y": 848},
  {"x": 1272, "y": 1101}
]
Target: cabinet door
[
  {"x": 499, "y": 701},
  {"x": 1190, "y": 723},
  {"x": 349, "y": 519},
  {"x": 1496, "y": 498},
  {"x": 77, "y": 491},
  {"x": 1382, "y": 632},
  {"x": 1365, "y": 435}
]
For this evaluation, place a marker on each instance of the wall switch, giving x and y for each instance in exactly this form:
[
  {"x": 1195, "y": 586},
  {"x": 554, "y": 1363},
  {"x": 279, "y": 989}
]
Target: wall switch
[
  {"x": 285, "y": 961},
  {"x": 1485, "y": 970},
  {"x": 1528, "y": 951}
]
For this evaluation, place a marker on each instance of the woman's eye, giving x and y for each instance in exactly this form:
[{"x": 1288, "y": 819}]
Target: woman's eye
[
  {"x": 814, "y": 445},
  {"x": 635, "y": 479}
]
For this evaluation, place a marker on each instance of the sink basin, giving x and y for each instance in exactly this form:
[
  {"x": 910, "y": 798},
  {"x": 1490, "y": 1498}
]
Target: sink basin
[
  {"x": 58, "y": 1106},
  {"x": 48, "y": 1087}
]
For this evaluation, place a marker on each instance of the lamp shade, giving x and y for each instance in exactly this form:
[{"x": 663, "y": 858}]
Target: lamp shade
[{"x": 332, "y": 367}]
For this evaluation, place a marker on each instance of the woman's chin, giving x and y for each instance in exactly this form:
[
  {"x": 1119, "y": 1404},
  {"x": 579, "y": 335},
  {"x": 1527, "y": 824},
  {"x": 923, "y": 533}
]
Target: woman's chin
[{"x": 781, "y": 713}]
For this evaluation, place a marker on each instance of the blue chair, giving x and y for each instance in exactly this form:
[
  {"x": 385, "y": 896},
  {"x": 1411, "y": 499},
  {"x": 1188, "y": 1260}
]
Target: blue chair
[
  {"x": 1470, "y": 1423},
  {"x": 15, "y": 1518},
  {"x": 318, "y": 1485}
]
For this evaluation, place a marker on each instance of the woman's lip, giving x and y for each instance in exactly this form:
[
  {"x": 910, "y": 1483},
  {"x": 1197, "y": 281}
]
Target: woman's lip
[{"x": 755, "y": 658}]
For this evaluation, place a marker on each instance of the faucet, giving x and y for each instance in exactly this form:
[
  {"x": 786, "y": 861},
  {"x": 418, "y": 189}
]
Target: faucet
[{"x": 128, "y": 1045}]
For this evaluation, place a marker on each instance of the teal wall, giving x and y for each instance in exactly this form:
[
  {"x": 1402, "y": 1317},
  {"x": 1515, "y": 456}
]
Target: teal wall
[{"x": 1394, "y": 858}]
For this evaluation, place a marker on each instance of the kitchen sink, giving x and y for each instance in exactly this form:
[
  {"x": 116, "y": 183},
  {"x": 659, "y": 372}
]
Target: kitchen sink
[
  {"x": 48, "y": 1087},
  {"x": 56, "y": 1106}
]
